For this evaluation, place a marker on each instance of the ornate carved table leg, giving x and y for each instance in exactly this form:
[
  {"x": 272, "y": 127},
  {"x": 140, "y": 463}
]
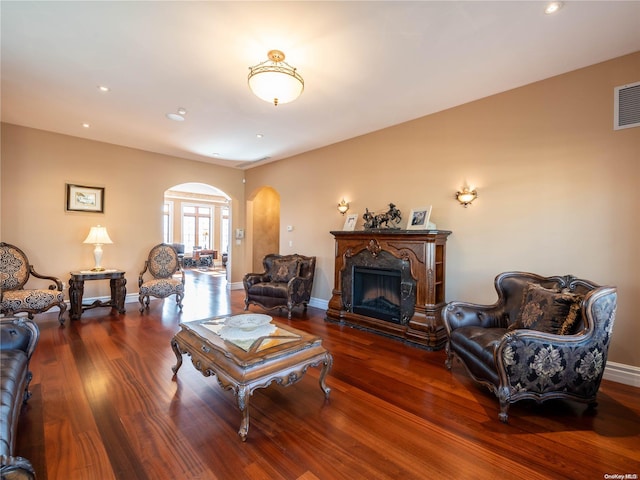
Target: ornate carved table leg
[
  {"x": 76, "y": 289},
  {"x": 328, "y": 363},
  {"x": 242, "y": 397},
  {"x": 118, "y": 294},
  {"x": 176, "y": 349}
]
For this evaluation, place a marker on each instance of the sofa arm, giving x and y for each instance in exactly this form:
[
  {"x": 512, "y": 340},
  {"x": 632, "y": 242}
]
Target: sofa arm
[
  {"x": 19, "y": 333},
  {"x": 251, "y": 279},
  {"x": 16, "y": 468},
  {"x": 461, "y": 314},
  {"x": 299, "y": 289},
  {"x": 531, "y": 363}
]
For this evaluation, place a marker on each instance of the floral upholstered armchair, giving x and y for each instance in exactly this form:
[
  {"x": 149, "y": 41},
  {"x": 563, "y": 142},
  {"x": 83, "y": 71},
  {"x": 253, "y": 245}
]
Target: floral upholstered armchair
[
  {"x": 15, "y": 271},
  {"x": 285, "y": 283},
  {"x": 163, "y": 265},
  {"x": 545, "y": 337}
]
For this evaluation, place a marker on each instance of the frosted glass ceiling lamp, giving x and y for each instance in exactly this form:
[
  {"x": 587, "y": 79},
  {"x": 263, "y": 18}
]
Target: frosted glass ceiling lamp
[
  {"x": 98, "y": 236},
  {"x": 274, "y": 80}
]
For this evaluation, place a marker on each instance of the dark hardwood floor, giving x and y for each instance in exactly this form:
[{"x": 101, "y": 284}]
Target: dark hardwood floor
[{"x": 105, "y": 405}]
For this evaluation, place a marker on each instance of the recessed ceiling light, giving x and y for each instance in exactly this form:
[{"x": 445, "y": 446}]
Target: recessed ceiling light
[
  {"x": 259, "y": 135},
  {"x": 103, "y": 88},
  {"x": 182, "y": 111},
  {"x": 86, "y": 125},
  {"x": 175, "y": 117},
  {"x": 552, "y": 7}
]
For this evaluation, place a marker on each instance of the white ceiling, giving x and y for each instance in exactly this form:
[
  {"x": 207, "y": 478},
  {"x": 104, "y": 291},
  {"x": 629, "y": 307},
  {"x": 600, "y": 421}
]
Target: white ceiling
[{"x": 366, "y": 66}]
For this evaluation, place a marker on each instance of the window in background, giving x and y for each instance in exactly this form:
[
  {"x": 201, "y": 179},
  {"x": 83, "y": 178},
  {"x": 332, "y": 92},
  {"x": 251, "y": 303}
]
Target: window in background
[{"x": 196, "y": 226}]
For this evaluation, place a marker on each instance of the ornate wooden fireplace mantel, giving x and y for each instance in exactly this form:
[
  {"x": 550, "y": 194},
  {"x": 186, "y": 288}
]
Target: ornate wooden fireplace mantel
[{"x": 423, "y": 252}]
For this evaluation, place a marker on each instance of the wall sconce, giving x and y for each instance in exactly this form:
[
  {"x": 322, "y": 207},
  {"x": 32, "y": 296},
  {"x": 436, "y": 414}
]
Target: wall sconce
[
  {"x": 466, "y": 196},
  {"x": 343, "y": 207}
]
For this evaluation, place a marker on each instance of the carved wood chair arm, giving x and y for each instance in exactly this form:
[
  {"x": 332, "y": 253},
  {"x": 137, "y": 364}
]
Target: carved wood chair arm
[{"x": 56, "y": 280}]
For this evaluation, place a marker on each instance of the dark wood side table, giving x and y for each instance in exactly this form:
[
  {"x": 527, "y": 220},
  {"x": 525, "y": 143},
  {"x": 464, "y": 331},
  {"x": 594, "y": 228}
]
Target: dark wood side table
[{"x": 76, "y": 289}]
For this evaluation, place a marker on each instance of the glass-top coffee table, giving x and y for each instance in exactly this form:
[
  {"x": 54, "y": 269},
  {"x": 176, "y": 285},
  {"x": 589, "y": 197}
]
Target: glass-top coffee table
[{"x": 245, "y": 361}]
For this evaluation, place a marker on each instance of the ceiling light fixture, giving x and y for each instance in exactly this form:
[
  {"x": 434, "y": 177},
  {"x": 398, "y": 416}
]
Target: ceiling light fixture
[
  {"x": 552, "y": 7},
  {"x": 103, "y": 88},
  {"x": 274, "y": 80},
  {"x": 86, "y": 125}
]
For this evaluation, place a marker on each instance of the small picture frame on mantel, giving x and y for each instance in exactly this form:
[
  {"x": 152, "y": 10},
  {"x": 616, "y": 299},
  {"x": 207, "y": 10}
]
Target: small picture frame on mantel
[
  {"x": 350, "y": 222},
  {"x": 419, "y": 218}
]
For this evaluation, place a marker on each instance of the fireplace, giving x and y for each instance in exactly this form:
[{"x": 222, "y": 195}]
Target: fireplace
[
  {"x": 391, "y": 282},
  {"x": 379, "y": 287},
  {"x": 376, "y": 293}
]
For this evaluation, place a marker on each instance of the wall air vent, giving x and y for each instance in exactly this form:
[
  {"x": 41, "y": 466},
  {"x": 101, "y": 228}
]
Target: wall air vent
[{"x": 626, "y": 108}]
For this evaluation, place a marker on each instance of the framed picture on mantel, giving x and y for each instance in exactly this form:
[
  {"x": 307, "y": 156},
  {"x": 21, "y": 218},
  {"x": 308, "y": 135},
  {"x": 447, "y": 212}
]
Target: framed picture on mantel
[
  {"x": 350, "y": 222},
  {"x": 419, "y": 218}
]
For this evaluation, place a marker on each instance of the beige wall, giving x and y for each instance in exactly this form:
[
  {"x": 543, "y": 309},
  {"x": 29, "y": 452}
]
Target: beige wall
[
  {"x": 36, "y": 165},
  {"x": 557, "y": 187}
]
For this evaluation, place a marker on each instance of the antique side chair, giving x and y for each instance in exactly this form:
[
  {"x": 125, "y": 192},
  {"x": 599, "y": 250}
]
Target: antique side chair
[
  {"x": 163, "y": 265},
  {"x": 15, "y": 271}
]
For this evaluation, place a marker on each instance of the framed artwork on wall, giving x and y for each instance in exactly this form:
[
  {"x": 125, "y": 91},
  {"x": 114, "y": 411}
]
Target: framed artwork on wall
[
  {"x": 81, "y": 198},
  {"x": 350, "y": 222},
  {"x": 419, "y": 218}
]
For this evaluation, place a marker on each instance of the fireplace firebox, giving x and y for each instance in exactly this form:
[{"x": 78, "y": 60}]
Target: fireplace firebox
[
  {"x": 391, "y": 282},
  {"x": 376, "y": 293}
]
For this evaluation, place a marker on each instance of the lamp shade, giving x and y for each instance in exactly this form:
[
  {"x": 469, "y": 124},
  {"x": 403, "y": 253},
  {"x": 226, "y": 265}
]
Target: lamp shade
[
  {"x": 98, "y": 236},
  {"x": 274, "y": 80}
]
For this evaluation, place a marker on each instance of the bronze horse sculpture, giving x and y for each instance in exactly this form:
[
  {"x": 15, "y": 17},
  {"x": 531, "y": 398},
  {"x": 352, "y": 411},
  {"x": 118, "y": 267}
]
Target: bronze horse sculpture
[{"x": 389, "y": 219}]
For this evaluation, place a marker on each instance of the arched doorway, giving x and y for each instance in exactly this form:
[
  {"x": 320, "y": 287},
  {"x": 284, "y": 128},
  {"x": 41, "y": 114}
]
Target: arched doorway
[{"x": 198, "y": 215}]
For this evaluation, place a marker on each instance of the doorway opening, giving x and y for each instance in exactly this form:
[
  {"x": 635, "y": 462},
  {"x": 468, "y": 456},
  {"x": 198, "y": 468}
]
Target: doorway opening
[{"x": 197, "y": 221}]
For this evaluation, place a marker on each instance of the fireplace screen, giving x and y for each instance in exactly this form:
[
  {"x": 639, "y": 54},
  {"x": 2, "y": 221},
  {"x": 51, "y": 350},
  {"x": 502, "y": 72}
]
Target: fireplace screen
[
  {"x": 379, "y": 287},
  {"x": 376, "y": 293}
]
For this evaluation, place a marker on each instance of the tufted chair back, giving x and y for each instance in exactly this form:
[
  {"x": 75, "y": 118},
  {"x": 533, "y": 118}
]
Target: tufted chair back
[{"x": 163, "y": 261}]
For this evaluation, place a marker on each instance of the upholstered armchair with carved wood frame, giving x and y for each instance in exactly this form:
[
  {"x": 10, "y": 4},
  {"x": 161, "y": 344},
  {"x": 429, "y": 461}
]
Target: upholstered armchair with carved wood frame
[
  {"x": 164, "y": 266},
  {"x": 285, "y": 283},
  {"x": 545, "y": 338},
  {"x": 15, "y": 271}
]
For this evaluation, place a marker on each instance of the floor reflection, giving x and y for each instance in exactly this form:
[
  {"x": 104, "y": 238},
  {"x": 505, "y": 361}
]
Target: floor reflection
[{"x": 206, "y": 295}]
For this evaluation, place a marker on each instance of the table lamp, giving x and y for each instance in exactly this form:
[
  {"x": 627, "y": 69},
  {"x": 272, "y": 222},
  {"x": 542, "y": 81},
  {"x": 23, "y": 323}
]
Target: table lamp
[{"x": 98, "y": 236}]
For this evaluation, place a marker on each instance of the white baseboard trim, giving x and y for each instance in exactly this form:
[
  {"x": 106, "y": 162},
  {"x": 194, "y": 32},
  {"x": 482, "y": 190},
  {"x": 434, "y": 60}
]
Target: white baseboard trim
[
  {"x": 318, "y": 303},
  {"x": 621, "y": 373}
]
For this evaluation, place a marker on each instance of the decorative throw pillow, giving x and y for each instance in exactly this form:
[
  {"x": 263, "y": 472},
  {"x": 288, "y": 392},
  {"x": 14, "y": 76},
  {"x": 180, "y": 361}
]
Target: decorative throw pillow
[
  {"x": 283, "y": 270},
  {"x": 548, "y": 310}
]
